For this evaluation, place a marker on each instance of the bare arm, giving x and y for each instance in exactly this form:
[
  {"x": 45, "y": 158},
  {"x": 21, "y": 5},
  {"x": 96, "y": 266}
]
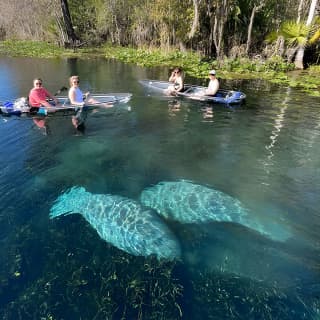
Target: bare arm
[
  {"x": 172, "y": 77},
  {"x": 50, "y": 96}
]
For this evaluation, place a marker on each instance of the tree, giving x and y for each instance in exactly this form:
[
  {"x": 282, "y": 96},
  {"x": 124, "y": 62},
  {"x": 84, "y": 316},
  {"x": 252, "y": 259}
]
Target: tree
[
  {"x": 255, "y": 9},
  {"x": 295, "y": 35},
  {"x": 72, "y": 37},
  {"x": 219, "y": 20},
  {"x": 195, "y": 23},
  {"x": 300, "y": 52}
]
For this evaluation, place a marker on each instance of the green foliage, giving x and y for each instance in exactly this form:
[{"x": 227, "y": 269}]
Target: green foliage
[
  {"x": 107, "y": 284},
  {"x": 242, "y": 65},
  {"x": 295, "y": 33},
  {"x": 274, "y": 69},
  {"x": 272, "y": 37},
  {"x": 29, "y": 48},
  {"x": 276, "y": 63},
  {"x": 151, "y": 57},
  {"x": 84, "y": 17}
]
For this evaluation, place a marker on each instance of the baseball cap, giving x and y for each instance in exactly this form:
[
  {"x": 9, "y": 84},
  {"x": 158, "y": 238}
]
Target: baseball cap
[{"x": 213, "y": 72}]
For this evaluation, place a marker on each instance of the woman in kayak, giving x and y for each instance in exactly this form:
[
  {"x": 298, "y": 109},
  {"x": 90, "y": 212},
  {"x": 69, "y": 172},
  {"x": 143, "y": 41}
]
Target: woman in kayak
[
  {"x": 39, "y": 96},
  {"x": 78, "y": 98},
  {"x": 177, "y": 79}
]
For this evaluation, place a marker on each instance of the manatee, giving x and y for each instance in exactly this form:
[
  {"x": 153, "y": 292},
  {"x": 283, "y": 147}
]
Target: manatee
[
  {"x": 120, "y": 221},
  {"x": 187, "y": 202}
]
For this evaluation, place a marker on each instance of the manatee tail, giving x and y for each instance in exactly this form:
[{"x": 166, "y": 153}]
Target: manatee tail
[{"x": 69, "y": 202}]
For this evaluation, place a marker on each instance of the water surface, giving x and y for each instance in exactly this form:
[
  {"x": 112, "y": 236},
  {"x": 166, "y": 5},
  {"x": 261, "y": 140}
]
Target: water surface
[{"x": 264, "y": 153}]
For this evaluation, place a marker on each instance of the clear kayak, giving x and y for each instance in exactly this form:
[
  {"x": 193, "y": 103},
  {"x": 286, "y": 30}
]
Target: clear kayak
[
  {"x": 100, "y": 98},
  {"x": 20, "y": 106},
  {"x": 194, "y": 92}
]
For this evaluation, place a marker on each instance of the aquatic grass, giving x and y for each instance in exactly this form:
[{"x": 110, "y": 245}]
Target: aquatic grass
[
  {"x": 84, "y": 278},
  {"x": 89, "y": 279},
  {"x": 151, "y": 57},
  {"x": 30, "y": 49},
  {"x": 228, "y": 296},
  {"x": 39, "y": 49}
]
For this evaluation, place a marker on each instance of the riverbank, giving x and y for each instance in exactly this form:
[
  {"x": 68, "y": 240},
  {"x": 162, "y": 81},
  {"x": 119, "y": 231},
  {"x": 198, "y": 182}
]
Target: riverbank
[{"x": 274, "y": 70}]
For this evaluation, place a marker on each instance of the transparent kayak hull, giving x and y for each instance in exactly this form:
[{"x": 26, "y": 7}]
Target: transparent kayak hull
[
  {"x": 195, "y": 92},
  {"x": 20, "y": 106}
]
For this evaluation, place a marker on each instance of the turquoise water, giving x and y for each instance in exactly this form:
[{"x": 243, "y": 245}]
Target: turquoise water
[{"x": 264, "y": 154}]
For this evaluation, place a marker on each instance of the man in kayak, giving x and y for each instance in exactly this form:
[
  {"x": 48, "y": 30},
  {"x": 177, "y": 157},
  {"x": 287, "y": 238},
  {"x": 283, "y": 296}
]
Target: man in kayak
[
  {"x": 39, "y": 96},
  {"x": 213, "y": 86}
]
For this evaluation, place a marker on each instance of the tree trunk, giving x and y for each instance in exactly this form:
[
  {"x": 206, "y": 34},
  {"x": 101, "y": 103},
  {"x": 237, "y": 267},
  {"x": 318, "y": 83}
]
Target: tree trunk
[
  {"x": 195, "y": 22},
  {"x": 72, "y": 37},
  {"x": 220, "y": 19},
  {"x": 298, "y": 61},
  {"x": 254, "y": 10},
  {"x": 300, "y": 10}
]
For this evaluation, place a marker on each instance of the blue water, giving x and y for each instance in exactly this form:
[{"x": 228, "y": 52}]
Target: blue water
[{"x": 264, "y": 153}]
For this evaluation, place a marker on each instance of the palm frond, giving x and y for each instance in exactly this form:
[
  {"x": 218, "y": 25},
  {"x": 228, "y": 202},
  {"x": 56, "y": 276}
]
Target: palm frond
[
  {"x": 295, "y": 33},
  {"x": 315, "y": 37},
  {"x": 272, "y": 36}
]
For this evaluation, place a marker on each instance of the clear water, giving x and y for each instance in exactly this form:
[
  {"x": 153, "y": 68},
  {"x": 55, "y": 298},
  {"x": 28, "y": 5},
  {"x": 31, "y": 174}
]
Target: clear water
[{"x": 264, "y": 153}]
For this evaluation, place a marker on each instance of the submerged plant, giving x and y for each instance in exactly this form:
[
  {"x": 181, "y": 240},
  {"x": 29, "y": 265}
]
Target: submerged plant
[{"x": 89, "y": 279}]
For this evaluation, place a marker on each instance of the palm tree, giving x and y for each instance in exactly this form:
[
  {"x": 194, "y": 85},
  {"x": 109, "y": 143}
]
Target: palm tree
[
  {"x": 296, "y": 36},
  {"x": 299, "y": 56}
]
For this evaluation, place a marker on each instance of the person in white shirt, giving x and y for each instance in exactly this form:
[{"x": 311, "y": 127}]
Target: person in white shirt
[
  {"x": 79, "y": 99},
  {"x": 76, "y": 96},
  {"x": 213, "y": 86}
]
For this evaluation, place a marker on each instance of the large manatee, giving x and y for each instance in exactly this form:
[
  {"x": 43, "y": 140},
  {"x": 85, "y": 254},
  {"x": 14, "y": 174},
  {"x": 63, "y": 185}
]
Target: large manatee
[
  {"x": 186, "y": 202},
  {"x": 121, "y": 222}
]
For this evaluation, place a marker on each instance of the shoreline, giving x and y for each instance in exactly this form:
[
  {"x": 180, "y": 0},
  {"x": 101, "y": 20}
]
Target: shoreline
[{"x": 274, "y": 70}]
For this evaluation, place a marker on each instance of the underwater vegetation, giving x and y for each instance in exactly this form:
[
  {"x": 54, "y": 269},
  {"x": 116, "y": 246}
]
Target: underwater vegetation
[{"x": 55, "y": 275}]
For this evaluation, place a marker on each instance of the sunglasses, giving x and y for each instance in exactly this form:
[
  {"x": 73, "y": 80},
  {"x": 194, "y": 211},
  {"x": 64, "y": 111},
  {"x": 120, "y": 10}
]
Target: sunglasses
[
  {"x": 76, "y": 81},
  {"x": 38, "y": 84}
]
